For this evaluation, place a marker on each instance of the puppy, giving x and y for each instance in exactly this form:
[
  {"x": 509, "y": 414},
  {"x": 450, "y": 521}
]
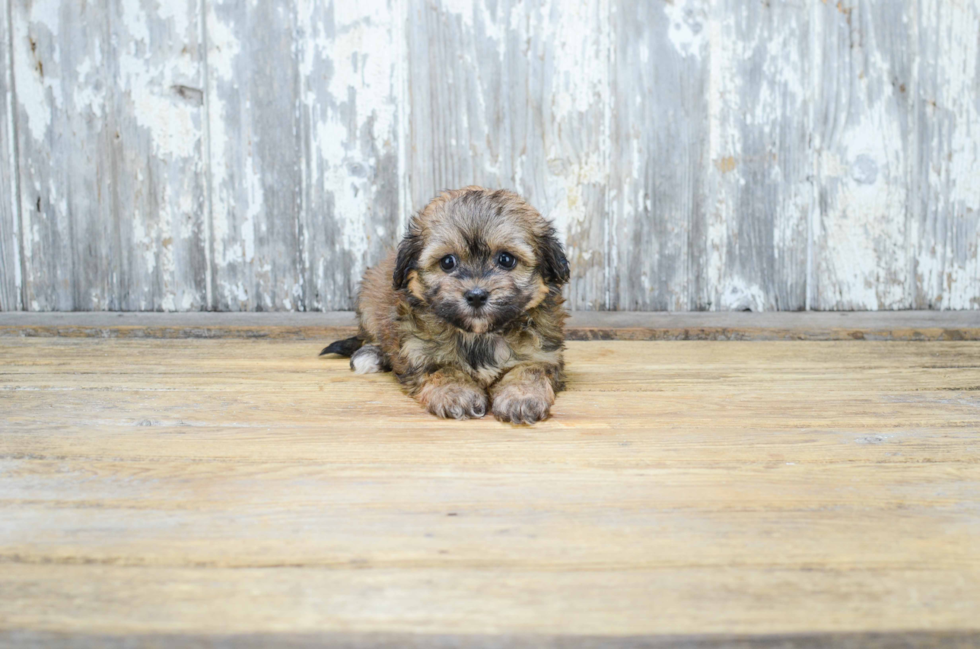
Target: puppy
[{"x": 468, "y": 311}]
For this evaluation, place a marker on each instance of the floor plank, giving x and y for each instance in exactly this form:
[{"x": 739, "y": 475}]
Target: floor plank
[
  {"x": 582, "y": 325},
  {"x": 818, "y": 493}
]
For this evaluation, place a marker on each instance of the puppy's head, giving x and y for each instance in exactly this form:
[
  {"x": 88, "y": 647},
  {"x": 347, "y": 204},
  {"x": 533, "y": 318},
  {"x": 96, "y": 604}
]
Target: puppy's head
[{"x": 479, "y": 258}]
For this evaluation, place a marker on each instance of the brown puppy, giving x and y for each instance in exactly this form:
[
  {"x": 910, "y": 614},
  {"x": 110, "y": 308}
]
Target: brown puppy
[{"x": 469, "y": 309}]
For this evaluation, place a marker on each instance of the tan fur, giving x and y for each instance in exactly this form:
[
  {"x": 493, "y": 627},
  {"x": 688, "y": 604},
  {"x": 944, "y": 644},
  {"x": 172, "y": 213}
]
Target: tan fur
[{"x": 448, "y": 355}]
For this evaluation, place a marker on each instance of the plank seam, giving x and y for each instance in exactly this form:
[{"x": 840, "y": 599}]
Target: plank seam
[
  {"x": 808, "y": 281},
  {"x": 403, "y": 107},
  {"x": 111, "y": 73},
  {"x": 611, "y": 251},
  {"x": 206, "y": 134},
  {"x": 911, "y": 161},
  {"x": 14, "y": 153}
]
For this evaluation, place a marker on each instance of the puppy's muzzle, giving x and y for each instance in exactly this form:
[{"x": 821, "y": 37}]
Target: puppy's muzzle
[{"x": 476, "y": 297}]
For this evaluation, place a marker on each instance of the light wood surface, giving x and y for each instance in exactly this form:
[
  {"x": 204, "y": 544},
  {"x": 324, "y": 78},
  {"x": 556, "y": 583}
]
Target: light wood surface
[
  {"x": 203, "y": 489},
  {"x": 582, "y": 325}
]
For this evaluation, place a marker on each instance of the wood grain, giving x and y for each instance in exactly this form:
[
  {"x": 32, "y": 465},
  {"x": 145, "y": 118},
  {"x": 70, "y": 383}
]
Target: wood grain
[
  {"x": 751, "y": 247},
  {"x": 222, "y": 488},
  {"x": 304, "y": 142},
  {"x": 694, "y": 154},
  {"x": 109, "y": 127},
  {"x": 513, "y": 94},
  {"x": 660, "y": 101},
  {"x": 863, "y": 145},
  {"x": 65, "y": 165},
  {"x": 582, "y": 325},
  {"x": 352, "y": 101},
  {"x": 349, "y": 640},
  {"x": 156, "y": 130},
  {"x": 945, "y": 211},
  {"x": 256, "y": 155},
  {"x": 10, "y": 240}
]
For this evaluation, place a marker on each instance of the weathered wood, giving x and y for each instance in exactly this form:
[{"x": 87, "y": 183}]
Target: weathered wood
[
  {"x": 945, "y": 208},
  {"x": 749, "y": 245},
  {"x": 10, "y": 270},
  {"x": 251, "y": 156},
  {"x": 940, "y": 639},
  {"x": 63, "y": 105},
  {"x": 217, "y": 488},
  {"x": 352, "y": 63},
  {"x": 304, "y": 149},
  {"x": 862, "y": 152},
  {"x": 109, "y": 131},
  {"x": 583, "y": 325},
  {"x": 515, "y": 94},
  {"x": 156, "y": 129},
  {"x": 256, "y": 159},
  {"x": 659, "y": 140}
]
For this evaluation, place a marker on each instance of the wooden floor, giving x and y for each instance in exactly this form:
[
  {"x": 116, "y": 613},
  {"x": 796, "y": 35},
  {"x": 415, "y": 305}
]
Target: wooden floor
[{"x": 683, "y": 494}]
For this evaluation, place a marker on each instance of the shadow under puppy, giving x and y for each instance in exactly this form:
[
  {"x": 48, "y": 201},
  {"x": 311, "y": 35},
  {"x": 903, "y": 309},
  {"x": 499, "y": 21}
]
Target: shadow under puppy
[{"x": 468, "y": 311}]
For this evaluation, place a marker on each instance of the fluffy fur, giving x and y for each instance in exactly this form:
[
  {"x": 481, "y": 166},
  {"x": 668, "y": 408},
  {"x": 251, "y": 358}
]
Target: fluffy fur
[{"x": 457, "y": 357}]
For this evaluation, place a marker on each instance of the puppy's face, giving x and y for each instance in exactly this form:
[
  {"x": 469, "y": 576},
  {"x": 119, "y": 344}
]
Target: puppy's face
[{"x": 479, "y": 258}]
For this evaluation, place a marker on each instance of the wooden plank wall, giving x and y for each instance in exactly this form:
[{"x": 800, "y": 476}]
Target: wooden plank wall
[
  {"x": 10, "y": 280},
  {"x": 695, "y": 154}
]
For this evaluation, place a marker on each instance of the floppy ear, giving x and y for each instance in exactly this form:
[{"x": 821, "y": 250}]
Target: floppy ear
[
  {"x": 408, "y": 254},
  {"x": 553, "y": 264}
]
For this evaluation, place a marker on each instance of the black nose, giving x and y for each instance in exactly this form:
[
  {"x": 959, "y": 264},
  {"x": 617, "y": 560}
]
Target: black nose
[{"x": 476, "y": 297}]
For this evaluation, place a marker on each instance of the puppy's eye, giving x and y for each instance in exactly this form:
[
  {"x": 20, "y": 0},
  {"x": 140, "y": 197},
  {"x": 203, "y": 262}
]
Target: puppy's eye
[
  {"x": 506, "y": 260},
  {"x": 448, "y": 263}
]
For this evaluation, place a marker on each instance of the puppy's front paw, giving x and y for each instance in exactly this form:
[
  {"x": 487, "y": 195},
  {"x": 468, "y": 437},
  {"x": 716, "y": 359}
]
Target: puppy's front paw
[
  {"x": 522, "y": 403},
  {"x": 456, "y": 401}
]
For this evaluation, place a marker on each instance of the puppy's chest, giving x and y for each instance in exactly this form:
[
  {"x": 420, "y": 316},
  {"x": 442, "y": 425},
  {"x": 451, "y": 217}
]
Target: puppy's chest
[{"x": 484, "y": 356}]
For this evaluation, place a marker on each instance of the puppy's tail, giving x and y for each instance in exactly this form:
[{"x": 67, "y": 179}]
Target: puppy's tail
[{"x": 343, "y": 347}]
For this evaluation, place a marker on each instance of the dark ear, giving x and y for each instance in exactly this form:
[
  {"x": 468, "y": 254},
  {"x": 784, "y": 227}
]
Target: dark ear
[
  {"x": 408, "y": 254},
  {"x": 554, "y": 265}
]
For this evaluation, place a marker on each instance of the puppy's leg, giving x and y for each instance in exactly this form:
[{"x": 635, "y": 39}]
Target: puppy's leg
[
  {"x": 368, "y": 360},
  {"x": 525, "y": 394},
  {"x": 452, "y": 394}
]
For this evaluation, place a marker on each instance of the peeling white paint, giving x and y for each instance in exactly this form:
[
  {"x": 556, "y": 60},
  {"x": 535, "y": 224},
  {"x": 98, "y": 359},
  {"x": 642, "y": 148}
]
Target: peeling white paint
[
  {"x": 754, "y": 81},
  {"x": 581, "y": 61},
  {"x": 861, "y": 160},
  {"x": 738, "y": 295},
  {"x": 354, "y": 129},
  {"x": 687, "y": 21},
  {"x": 948, "y": 238},
  {"x": 862, "y": 252},
  {"x": 9, "y": 171},
  {"x": 237, "y": 191},
  {"x": 223, "y": 49},
  {"x": 38, "y": 95},
  {"x": 87, "y": 96},
  {"x": 150, "y": 82}
]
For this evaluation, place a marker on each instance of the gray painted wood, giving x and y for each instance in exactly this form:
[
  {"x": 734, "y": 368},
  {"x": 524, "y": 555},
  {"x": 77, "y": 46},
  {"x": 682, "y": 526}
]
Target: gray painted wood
[
  {"x": 256, "y": 156},
  {"x": 694, "y": 154},
  {"x": 304, "y": 149},
  {"x": 64, "y": 157},
  {"x": 515, "y": 94},
  {"x": 351, "y": 104},
  {"x": 751, "y": 246},
  {"x": 109, "y": 126},
  {"x": 660, "y": 83},
  {"x": 862, "y": 151},
  {"x": 944, "y": 225},
  {"x": 156, "y": 134},
  {"x": 9, "y": 235}
]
